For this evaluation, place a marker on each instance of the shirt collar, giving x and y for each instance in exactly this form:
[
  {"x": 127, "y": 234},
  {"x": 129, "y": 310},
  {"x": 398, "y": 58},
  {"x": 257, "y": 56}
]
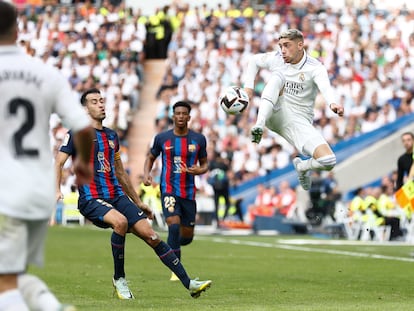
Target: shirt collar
[
  {"x": 301, "y": 62},
  {"x": 7, "y": 49}
]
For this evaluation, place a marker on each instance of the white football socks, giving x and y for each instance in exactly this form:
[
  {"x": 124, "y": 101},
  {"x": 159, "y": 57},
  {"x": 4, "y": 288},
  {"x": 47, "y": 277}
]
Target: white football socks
[{"x": 36, "y": 293}]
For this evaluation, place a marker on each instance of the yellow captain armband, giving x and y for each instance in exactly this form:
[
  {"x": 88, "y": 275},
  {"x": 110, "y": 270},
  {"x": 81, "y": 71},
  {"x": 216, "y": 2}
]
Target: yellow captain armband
[{"x": 117, "y": 155}]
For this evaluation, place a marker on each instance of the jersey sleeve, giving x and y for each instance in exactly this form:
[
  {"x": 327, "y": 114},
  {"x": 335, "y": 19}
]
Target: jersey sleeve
[
  {"x": 67, "y": 144},
  {"x": 117, "y": 149},
  {"x": 203, "y": 147},
  {"x": 155, "y": 146},
  {"x": 324, "y": 85}
]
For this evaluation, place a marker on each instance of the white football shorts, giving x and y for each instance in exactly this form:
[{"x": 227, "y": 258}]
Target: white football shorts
[
  {"x": 296, "y": 129},
  {"x": 22, "y": 243}
]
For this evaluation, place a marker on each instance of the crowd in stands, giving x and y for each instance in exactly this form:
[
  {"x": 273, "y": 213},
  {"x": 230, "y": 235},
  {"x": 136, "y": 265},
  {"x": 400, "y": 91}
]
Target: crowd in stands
[
  {"x": 92, "y": 46},
  {"x": 368, "y": 52}
]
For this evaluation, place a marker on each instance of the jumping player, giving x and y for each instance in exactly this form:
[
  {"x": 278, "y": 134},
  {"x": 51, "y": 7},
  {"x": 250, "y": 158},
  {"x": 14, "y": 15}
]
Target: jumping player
[{"x": 297, "y": 81}]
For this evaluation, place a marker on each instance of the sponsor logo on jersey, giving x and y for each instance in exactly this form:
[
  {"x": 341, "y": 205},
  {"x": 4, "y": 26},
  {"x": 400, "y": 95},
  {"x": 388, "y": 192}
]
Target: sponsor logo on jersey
[{"x": 293, "y": 88}]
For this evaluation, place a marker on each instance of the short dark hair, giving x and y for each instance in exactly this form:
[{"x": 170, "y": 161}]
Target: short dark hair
[
  {"x": 86, "y": 93},
  {"x": 8, "y": 18},
  {"x": 182, "y": 104}
]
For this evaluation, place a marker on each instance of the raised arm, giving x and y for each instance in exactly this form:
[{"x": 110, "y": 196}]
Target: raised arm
[
  {"x": 60, "y": 161},
  {"x": 270, "y": 61},
  {"x": 324, "y": 85}
]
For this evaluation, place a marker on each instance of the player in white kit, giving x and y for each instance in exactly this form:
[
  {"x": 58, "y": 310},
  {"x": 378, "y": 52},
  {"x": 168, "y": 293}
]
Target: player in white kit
[
  {"x": 287, "y": 102},
  {"x": 30, "y": 92}
]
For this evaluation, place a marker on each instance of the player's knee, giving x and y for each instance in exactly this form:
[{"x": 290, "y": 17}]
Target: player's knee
[
  {"x": 120, "y": 225},
  {"x": 327, "y": 162},
  {"x": 186, "y": 240}
]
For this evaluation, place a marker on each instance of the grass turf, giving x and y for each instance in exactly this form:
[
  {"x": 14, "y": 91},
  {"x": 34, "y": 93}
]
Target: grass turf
[{"x": 248, "y": 273}]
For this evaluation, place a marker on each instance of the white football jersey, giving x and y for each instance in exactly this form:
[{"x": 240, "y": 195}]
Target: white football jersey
[
  {"x": 29, "y": 92},
  {"x": 303, "y": 80}
]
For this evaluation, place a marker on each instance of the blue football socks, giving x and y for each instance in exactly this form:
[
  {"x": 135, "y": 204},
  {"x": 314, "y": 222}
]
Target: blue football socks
[
  {"x": 174, "y": 239},
  {"x": 118, "y": 250},
  {"x": 168, "y": 257}
]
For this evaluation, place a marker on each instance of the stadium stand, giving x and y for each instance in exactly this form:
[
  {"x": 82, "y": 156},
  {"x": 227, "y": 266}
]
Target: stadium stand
[{"x": 368, "y": 52}]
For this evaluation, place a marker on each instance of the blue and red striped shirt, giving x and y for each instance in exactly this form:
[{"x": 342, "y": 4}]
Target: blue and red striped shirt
[
  {"x": 104, "y": 185},
  {"x": 178, "y": 152}
]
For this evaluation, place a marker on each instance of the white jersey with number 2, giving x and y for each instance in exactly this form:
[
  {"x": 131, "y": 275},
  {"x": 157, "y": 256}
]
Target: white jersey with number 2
[{"x": 29, "y": 92}]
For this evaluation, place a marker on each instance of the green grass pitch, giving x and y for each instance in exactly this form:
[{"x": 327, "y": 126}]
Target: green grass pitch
[{"x": 248, "y": 273}]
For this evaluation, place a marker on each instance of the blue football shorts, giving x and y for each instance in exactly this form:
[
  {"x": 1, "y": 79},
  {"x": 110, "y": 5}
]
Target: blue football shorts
[
  {"x": 95, "y": 210},
  {"x": 185, "y": 208}
]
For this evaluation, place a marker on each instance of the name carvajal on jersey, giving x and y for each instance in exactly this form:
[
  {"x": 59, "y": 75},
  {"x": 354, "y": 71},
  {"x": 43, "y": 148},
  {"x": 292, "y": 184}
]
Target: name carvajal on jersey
[{"x": 25, "y": 76}]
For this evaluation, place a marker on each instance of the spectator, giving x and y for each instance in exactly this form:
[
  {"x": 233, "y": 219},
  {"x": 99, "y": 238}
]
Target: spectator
[
  {"x": 285, "y": 199},
  {"x": 405, "y": 160},
  {"x": 219, "y": 180}
]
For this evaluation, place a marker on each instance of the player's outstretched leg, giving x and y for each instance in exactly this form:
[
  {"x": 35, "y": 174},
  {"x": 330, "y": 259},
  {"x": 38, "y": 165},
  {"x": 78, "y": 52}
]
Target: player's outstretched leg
[
  {"x": 197, "y": 287},
  {"x": 121, "y": 289},
  {"x": 256, "y": 134},
  {"x": 168, "y": 257},
  {"x": 303, "y": 176}
]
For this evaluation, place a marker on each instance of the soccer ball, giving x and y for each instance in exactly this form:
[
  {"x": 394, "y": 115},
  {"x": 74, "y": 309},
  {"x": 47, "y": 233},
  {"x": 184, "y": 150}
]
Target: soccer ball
[{"x": 234, "y": 100}]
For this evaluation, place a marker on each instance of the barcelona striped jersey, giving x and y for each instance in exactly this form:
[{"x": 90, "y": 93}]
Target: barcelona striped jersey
[
  {"x": 178, "y": 152},
  {"x": 104, "y": 185}
]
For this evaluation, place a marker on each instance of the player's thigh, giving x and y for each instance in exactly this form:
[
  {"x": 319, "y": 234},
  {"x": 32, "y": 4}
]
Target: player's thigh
[
  {"x": 13, "y": 245},
  {"x": 304, "y": 136},
  {"x": 170, "y": 206},
  {"x": 188, "y": 212},
  {"x": 95, "y": 211},
  {"x": 129, "y": 209},
  {"x": 37, "y": 231}
]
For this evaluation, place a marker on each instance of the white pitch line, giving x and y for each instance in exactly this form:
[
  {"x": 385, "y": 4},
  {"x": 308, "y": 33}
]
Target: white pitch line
[{"x": 309, "y": 249}]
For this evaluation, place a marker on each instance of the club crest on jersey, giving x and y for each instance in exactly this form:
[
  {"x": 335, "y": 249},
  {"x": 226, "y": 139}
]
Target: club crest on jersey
[
  {"x": 191, "y": 148},
  {"x": 302, "y": 77},
  {"x": 111, "y": 144}
]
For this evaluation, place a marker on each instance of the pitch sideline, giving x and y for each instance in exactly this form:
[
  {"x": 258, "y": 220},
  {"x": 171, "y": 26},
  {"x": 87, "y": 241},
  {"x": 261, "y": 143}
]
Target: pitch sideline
[{"x": 308, "y": 249}]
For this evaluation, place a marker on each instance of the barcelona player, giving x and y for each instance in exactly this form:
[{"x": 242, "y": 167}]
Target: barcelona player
[
  {"x": 184, "y": 155},
  {"x": 111, "y": 201}
]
